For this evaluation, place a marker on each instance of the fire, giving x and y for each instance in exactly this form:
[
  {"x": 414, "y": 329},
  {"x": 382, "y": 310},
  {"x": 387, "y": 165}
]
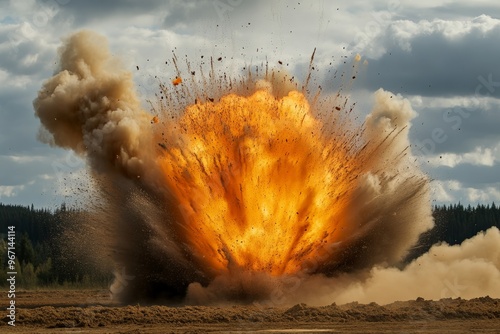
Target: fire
[
  {"x": 258, "y": 183},
  {"x": 234, "y": 178}
]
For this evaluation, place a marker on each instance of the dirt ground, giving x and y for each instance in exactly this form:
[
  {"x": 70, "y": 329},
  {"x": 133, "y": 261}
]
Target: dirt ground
[{"x": 91, "y": 311}]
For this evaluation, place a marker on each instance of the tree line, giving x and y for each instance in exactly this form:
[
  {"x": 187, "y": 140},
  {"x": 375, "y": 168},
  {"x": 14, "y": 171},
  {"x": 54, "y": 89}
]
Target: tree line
[
  {"x": 42, "y": 260},
  {"x": 455, "y": 223},
  {"x": 41, "y": 257}
]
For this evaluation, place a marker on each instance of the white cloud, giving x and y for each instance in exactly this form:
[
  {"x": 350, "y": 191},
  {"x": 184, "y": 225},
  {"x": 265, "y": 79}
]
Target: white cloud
[
  {"x": 453, "y": 192},
  {"x": 403, "y": 32},
  {"x": 26, "y": 51},
  {"x": 3, "y": 75},
  {"x": 479, "y": 157},
  {"x": 26, "y": 158},
  {"x": 451, "y": 102},
  {"x": 487, "y": 195},
  {"x": 22, "y": 6},
  {"x": 47, "y": 177},
  {"x": 441, "y": 193},
  {"x": 10, "y": 191}
]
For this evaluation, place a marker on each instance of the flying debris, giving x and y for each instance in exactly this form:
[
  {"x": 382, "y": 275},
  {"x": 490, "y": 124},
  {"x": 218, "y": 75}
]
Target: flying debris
[{"x": 177, "y": 81}]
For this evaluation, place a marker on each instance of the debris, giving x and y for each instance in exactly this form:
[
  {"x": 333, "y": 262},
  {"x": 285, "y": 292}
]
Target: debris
[{"x": 177, "y": 81}]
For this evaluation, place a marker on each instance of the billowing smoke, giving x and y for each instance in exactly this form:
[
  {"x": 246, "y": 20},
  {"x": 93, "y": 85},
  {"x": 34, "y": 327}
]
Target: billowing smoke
[
  {"x": 468, "y": 271},
  {"x": 90, "y": 106},
  {"x": 246, "y": 190}
]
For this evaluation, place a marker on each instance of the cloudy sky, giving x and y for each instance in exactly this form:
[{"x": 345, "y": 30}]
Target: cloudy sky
[{"x": 443, "y": 56}]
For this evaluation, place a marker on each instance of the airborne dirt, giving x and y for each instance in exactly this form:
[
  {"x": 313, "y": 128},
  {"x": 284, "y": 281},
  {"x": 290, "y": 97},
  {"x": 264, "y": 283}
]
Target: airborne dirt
[
  {"x": 233, "y": 180},
  {"x": 84, "y": 311}
]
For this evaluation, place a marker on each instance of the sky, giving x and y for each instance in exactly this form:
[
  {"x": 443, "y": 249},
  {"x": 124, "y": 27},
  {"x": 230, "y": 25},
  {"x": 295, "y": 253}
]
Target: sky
[{"x": 443, "y": 56}]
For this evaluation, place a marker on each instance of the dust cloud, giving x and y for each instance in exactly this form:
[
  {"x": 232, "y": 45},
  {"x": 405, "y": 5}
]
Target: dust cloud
[
  {"x": 250, "y": 190},
  {"x": 469, "y": 270}
]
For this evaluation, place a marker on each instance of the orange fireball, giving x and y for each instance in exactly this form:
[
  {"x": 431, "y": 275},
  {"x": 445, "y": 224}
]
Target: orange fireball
[{"x": 257, "y": 184}]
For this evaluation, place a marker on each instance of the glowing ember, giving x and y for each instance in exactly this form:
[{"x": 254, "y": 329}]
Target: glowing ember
[{"x": 177, "y": 81}]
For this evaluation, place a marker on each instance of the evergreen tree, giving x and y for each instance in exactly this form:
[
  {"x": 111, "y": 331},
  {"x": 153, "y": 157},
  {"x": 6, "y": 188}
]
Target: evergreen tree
[{"x": 25, "y": 253}]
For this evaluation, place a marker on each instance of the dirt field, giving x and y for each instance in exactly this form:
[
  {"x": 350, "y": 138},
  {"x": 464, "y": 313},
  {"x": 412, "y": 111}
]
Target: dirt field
[{"x": 66, "y": 311}]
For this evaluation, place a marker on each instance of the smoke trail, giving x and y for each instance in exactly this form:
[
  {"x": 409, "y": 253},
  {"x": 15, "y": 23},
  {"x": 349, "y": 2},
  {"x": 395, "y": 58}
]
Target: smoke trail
[{"x": 241, "y": 187}]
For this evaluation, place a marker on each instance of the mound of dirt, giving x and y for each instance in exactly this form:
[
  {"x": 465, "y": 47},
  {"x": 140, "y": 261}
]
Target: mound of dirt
[{"x": 97, "y": 311}]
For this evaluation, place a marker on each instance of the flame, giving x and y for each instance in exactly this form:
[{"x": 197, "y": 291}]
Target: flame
[
  {"x": 258, "y": 183},
  {"x": 232, "y": 178}
]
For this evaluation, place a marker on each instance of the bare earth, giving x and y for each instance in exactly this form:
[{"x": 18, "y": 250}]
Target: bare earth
[{"x": 91, "y": 311}]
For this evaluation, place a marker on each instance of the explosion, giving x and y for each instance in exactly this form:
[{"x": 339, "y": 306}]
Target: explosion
[
  {"x": 259, "y": 184},
  {"x": 263, "y": 186},
  {"x": 233, "y": 186}
]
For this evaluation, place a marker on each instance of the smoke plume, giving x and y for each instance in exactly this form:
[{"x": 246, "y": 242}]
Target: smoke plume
[{"x": 248, "y": 190}]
